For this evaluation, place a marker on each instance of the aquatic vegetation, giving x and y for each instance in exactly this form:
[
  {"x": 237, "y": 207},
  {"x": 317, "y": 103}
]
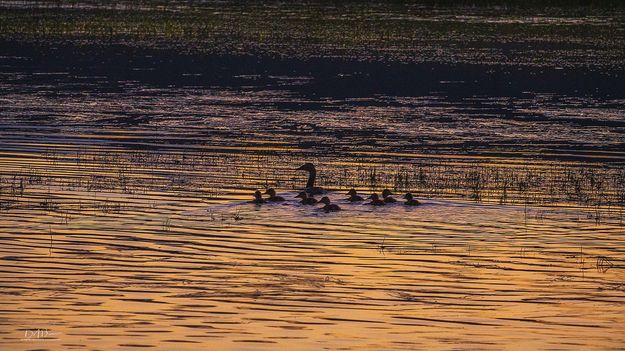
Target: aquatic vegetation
[
  {"x": 397, "y": 31},
  {"x": 598, "y": 189}
]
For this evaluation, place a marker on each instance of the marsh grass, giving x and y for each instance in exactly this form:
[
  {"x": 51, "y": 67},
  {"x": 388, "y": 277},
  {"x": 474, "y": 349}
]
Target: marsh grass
[
  {"x": 604, "y": 264},
  {"x": 166, "y": 225},
  {"x": 592, "y": 187},
  {"x": 51, "y": 240},
  {"x": 312, "y": 29},
  {"x": 599, "y": 190}
]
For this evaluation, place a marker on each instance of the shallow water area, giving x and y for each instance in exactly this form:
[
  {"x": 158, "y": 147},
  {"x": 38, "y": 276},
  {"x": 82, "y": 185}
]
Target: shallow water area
[{"x": 238, "y": 275}]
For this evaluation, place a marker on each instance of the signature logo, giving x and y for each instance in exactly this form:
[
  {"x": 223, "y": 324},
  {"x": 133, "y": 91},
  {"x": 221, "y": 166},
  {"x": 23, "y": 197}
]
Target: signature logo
[{"x": 40, "y": 335}]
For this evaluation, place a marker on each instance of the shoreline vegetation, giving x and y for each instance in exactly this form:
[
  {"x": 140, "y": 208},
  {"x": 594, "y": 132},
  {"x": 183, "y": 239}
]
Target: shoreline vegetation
[
  {"x": 515, "y": 4},
  {"x": 493, "y": 32},
  {"x": 598, "y": 191}
]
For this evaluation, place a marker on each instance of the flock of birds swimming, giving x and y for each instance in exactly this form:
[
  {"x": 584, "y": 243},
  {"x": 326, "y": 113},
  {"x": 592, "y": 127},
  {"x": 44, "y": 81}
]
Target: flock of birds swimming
[{"x": 307, "y": 197}]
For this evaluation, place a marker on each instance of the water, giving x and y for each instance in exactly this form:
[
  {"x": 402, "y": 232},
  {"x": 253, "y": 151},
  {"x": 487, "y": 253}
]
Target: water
[
  {"x": 168, "y": 271},
  {"x": 126, "y": 167}
]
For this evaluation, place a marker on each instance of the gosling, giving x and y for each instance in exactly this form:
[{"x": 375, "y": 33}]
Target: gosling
[
  {"x": 353, "y": 196},
  {"x": 410, "y": 200},
  {"x": 386, "y": 195},
  {"x": 272, "y": 196},
  {"x": 258, "y": 198},
  {"x": 329, "y": 207},
  {"x": 375, "y": 200},
  {"x": 306, "y": 200}
]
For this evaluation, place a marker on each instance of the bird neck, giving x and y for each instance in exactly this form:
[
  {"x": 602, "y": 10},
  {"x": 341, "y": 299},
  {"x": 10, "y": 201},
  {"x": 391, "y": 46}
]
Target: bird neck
[{"x": 312, "y": 174}]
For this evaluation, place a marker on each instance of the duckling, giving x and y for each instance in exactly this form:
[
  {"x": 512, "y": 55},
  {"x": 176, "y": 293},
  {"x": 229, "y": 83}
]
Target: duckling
[
  {"x": 306, "y": 200},
  {"x": 312, "y": 175},
  {"x": 386, "y": 195},
  {"x": 329, "y": 207},
  {"x": 353, "y": 196},
  {"x": 258, "y": 198},
  {"x": 375, "y": 200},
  {"x": 272, "y": 196},
  {"x": 410, "y": 201}
]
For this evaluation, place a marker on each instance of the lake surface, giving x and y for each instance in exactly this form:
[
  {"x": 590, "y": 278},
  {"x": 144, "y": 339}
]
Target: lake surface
[{"x": 129, "y": 151}]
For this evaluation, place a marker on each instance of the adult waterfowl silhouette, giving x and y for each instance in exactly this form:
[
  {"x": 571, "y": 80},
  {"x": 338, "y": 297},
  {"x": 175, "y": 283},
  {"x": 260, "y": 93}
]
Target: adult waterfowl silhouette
[
  {"x": 306, "y": 200},
  {"x": 386, "y": 195},
  {"x": 375, "y": 200},
  {"x": 353, "y": 196},
  {"x": 312, "y": 175},
  {"x": 272, "y": 195},
  {"x": 329, "y": 207},
  {"x": 410, "y": 200},
  {"x": 258, "y": 198}
]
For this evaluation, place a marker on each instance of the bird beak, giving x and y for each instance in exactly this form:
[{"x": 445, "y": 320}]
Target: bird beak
[{"x": 298, "y": 195}]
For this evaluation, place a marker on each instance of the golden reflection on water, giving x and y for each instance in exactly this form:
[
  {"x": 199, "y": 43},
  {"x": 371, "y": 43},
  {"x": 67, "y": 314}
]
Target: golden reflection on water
[
  {"x": 167, "y": 268},
  {"x": 124, "y": 221}
]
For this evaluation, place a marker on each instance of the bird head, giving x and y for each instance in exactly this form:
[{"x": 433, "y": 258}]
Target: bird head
[
  {"x": 302, "y": 195},
  {"x": 352, "y": 192},
  {"x": 309, "y": 167},
  {"x": 325, "y": 200},
  {"x": 386, "y": 193}
]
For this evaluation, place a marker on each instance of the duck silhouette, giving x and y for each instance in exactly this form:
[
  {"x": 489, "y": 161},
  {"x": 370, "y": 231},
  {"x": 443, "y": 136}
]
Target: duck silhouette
[
  {"x": 329, "y": 207},
  {"x": 375, "y": 200},
  {"x": 353, "y": 196},
  {"x": 312, "y": 175},
  {"x": 272, "y": 196},
  {"x": 386, "y": 195},
  {"x": 258, "y": 198},
  {"x": 306, "y": 200},
  {"x": 410, "y": 201}
]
